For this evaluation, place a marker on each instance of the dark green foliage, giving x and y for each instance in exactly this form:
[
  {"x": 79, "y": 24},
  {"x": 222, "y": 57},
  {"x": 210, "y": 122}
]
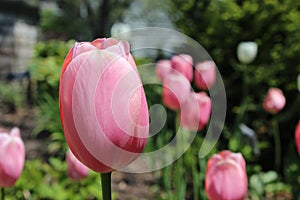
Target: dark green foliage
[
  {"x": 49, "y": 180},
  {"x": 219, "y": 25}
]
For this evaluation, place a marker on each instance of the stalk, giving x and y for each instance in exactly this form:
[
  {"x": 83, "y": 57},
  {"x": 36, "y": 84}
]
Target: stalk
[{"x": 106, "y": 185}]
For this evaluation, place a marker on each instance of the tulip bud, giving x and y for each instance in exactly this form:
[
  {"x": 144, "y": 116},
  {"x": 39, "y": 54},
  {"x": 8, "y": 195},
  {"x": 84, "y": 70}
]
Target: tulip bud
[
  {"x": 205, "y": 75},
  {"x": 274, "y": 101},
  {"x": 183, "y": 64},
  {"x": 297, "y": 137},
  {"x": 176, "y": 89},
  {"x": 76, "y": 170},
  {"x": 246, "y": 52},
  {"x": 162, "y": 69},
  {"x": 226, "y": 177},
  {"x": 192, "y": 117},
  {"x": 103, "y": 107},
  {"x": 12, "y": 157}
]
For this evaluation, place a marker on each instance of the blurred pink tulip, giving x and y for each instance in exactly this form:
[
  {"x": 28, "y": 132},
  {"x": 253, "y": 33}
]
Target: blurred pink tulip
[
  {"x": 183, "y": 64},
  {"x": 12, "y": 157},
  {"x": 274, "y": 101},
  {"x": 176, "y": 89},
  {"x": 103, "y": 106},
  {"x": 192, "y": 117},
  {"x": 205, "y": 75},
  {"x": 76, "y": 170},
  {"x": 226, "y": 177},
  {"x": 297, "y": 137},
  {"x": 162, "y": 69}
]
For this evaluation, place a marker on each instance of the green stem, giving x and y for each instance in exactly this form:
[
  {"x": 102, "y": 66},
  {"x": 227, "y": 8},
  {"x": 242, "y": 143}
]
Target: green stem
[
  {"x": 106, "y": 186},
  {"x": 242, "y": 114},
  {"x": 277, "y": 144},
  {"x": 167, "y": 173},
  {"x": 2, "y": 193},
  {"x": 196, "y": 178},
  {"x": 245, "y": 91},
  {"x": 180, "y": 176},
  {"x": 202, "y": 164}
]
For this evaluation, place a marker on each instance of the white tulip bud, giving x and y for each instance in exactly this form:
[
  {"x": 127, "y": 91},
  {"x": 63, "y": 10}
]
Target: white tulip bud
[{"x": 246, "y": 52}]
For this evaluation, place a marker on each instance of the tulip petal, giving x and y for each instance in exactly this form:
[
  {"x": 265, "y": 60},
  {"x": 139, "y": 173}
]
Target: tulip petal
[
  {"x": 162, "y": 69},
  {"x": 76, "y": 170},
  {"x": 226, "y": 181},
  {"x": 183, "y": 64},
  {"x": 71, "y": 134},
  {"x": 226, "y": 177},
  {"x": 82, "y": 47},
  {"x": 176, "y": 89},
  {"x": 88, "y": 74},
  {"x": 297, "y": 137},
  {"x": 12, "y": 155},
  {"x": 122, "y": 49},
  {"x": 205, "y": 75}
]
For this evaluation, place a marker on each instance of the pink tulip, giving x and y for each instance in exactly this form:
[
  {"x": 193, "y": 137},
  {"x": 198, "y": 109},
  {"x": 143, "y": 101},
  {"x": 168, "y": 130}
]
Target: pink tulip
[
  {"x": 226, "y": 177},
  {"x": 12, "y": 157},
  {"x": 162, "y": 69},
  {"x": 103, "y": 106},
  {"x": 193, "y": 117},
  {"x": 205, "y": 75},
  {"x": 274, "y": 101},
  {"x": 76, "y": 170},
  {"x": 297, "y": 137},
  {"x": 176, "y": 89},
  {"x": 183, "y": 64}
]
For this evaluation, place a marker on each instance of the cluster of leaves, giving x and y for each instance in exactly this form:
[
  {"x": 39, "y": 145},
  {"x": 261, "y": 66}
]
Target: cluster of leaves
[
  {"x": 49, "y": 180},
  {"x": 11, "y": 96}
]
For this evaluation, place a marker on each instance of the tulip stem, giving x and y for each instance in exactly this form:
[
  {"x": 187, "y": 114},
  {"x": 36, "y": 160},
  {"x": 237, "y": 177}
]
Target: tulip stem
[
  {"x": 106, "y": 185},
  {"x": 2, "y": 193},
  {"x": 277, "y": 144}
]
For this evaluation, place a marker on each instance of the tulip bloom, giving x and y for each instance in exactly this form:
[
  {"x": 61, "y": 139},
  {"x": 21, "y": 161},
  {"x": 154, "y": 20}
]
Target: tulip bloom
[
  {"x": 12, "y": 157},
  {"x": 226, "y": 177},
  {"x": 162, "y": 69},
  {"x": 183, "y": 64},
  {"x": 297, "y": 137},
  {"x": 274, "y": 101},
  {"x": 246, "y": 52},
  {"x": 176, "y": 89},
  {"x": 205, "y": 75},
  {"x": 76, "y": 170},
  {"x": 103, "y": 107},
  {"x": 195, "y": 111}
]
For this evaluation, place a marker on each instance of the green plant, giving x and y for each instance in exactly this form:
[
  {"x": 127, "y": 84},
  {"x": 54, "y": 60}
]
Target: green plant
[
  {"x": 11, "y": 96},
  {"x": 49, "y": 180},
  {"x": 266, "y": 183},
  {"x": 220, "y": 26},
  {"x": 46, "y": 66}
]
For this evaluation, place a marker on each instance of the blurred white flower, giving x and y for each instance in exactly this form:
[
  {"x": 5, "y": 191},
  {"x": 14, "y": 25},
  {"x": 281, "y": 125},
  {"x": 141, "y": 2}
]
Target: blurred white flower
[{"x": 246, "y": 52}]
